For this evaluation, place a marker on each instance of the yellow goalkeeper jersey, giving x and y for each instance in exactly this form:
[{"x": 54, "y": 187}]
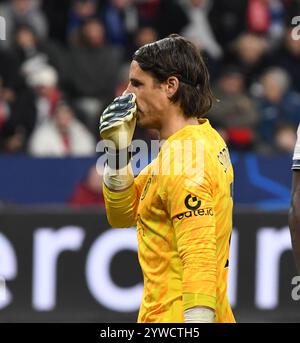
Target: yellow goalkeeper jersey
[{"x": 182, "y": 206}]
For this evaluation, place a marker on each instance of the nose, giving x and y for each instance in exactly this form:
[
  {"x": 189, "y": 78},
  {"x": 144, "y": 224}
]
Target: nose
[{"x": 129, "y": 89}]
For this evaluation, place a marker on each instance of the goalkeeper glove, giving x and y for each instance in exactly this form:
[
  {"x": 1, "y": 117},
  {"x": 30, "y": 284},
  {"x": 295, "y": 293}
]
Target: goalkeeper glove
[
  {"x": 117, "y": 125},
  {"x": 118, "y": 120}
]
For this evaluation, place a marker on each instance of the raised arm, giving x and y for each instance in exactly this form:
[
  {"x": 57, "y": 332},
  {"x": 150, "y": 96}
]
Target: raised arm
[{"x": 120, "y": 189}]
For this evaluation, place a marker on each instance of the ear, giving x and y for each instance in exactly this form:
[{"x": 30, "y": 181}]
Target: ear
[{"x": 172, "y": 84}]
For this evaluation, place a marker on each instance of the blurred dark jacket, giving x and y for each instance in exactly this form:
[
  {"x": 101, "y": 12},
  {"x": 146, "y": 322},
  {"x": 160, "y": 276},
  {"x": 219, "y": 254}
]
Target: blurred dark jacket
[
  {"x": 237, "y": 115},
  {"x": 94, "y": 71}
]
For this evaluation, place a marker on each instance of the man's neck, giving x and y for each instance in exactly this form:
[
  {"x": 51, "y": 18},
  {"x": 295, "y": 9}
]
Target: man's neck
[{"x": 175, "y": 123}]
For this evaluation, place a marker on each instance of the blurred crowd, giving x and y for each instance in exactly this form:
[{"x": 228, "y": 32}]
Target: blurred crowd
[{"x": 63, "y": 61}]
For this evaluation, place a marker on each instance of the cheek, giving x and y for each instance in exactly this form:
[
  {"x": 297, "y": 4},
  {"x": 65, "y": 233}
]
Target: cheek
[
  {"x": 151, "y": 102},
  {"x": 157, "y": 101},
  {"x": 143, "y": 102}
]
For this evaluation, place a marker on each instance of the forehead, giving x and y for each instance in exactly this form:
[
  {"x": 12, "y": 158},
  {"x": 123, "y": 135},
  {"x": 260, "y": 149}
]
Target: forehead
[{"x": 135, "y": 72}]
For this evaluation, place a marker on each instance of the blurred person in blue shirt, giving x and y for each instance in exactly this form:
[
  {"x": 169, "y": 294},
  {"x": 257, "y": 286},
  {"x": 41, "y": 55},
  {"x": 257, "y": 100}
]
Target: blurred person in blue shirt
[
  {"x": 288, "y": 58},
  {"x": 79, "y": 12},
  {"x": 278, "y": 103},
  {"x": 120, "y": 18}
]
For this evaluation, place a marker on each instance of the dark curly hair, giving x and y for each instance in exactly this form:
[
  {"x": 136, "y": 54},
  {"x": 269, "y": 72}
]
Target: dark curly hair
[{"x": 176, "y": 56}]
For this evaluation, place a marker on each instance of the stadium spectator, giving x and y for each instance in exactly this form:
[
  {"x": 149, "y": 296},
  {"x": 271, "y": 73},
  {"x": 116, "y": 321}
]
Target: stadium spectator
[
  {"x": 120, "y": 18},
  {"x": 277, "y": 27},
  {"x": 62, "y": 135},
  {"x": 97, "y": 65},
  {"x": 267, "y": 17},
  {"x": 88, "y": 192},
  {"x": 277, "y": 104},
  {"x": 234, "y": 114},
  {"x": 56, "y": 13},
  {"x": 245, "y": 33},
  {"x": 288, "y": 57},
  {"x": 250, "y": 52},
  {"x": 17, "y": 12},
  {"x": 9, "y": 70},
  {"x": 166, "y": 16},
  {"x": 263, "y": 17},
  {"x": 27, "y": 48},
  {"x": 17, "y": 114},
  {"x": 199, "y": 30},
  {"x": 46, "y": 92},
  {"x": 12, "y": 139},
  {"x": 145, "y": 34},
  {"x": 31, "y": 53},
  {"x": 228, "y": 20},
  {"x": 4, "y": 107},
  {"x": 123, "y": 17},
  {"x": 20, "y": 117},
  {"x": 258, "y": 16},
  {"x": 80, "y": 11},
  {"x": 5, "y": 113}
]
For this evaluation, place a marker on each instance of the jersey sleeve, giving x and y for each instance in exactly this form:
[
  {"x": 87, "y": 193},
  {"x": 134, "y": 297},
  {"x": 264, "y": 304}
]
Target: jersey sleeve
[
  {"x": 190, "y": 205},
  {"x": 296, "y": 157},
  {"x": 121, "y": 207}
]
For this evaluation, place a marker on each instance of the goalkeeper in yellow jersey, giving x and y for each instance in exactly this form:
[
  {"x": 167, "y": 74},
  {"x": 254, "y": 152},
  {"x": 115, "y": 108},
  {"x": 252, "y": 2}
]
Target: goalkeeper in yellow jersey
[{"x": 181, "y": 202}]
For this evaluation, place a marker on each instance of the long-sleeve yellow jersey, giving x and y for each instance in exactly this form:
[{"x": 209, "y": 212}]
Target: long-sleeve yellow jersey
[{"x": 182, "y": 206}]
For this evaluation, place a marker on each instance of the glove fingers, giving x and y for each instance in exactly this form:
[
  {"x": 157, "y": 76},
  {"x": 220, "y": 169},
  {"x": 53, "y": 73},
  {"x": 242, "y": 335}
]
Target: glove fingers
[
  {"x": 127, "y": 98},
  {"x": 110, "y": 127},
  {"x": 121, "y": 110},
  {"x": 118, "y": 111},
  {"x": 116, "y": 121},
  {"x": 121, "y": 103},
  {"x": 123, "y": 116},
  {"x": 119, "y": 106}
]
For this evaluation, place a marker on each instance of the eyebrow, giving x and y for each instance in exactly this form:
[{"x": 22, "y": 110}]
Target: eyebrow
[{"x": 136, "y": 81}]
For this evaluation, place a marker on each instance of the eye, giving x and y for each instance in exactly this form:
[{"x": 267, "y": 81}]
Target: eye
[{"x": 136, "y": 83}]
